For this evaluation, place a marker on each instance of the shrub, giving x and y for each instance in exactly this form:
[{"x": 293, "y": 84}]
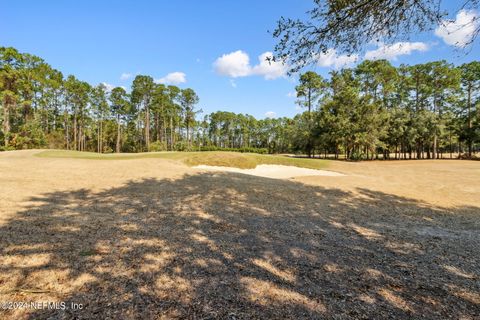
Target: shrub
[
  {"x": 30, "y": 136},
  {"x": 180, "y": 146},
  {"x": 358, "y": 156},
  {"x": 465, "y": 156},
  {"x": 9, "y": 148},
  {"x": 107, "y": 150},
  {"x": 157, "y": 146},
  {"x": 243, "y": 150},
  {"x": 55, "y": 140}
]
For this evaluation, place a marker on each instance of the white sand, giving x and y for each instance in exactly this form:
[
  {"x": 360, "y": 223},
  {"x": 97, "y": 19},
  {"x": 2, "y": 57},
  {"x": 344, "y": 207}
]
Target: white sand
[{"x": 274, "y": 171}]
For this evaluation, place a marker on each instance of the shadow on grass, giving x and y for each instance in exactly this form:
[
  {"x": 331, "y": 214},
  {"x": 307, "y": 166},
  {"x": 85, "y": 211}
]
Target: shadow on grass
[{"x": 227, "y": 245}]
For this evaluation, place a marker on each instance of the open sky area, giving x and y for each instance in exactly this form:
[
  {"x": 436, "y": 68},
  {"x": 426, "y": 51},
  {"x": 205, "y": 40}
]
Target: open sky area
[{"x": 215, "y": 47}]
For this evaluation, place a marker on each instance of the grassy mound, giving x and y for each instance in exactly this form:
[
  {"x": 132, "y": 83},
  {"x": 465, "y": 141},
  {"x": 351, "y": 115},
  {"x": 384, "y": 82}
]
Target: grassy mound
[{"x": 214, "y": 158}]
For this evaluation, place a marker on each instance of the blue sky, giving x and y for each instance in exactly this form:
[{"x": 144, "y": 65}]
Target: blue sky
[{"x": 204, "y": 43}]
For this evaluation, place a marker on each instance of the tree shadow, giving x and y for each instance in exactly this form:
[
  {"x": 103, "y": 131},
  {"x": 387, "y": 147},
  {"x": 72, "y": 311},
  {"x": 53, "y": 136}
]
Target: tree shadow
[{"x": 231, "y": 246}]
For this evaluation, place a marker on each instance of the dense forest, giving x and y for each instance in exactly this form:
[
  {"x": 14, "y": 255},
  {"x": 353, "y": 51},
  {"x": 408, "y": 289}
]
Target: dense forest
[{"x": 374, "y": 110}]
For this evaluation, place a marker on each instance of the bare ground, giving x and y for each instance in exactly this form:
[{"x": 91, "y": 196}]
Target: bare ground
[
  {"x": 154, "y": 239},
  {"x": 271, "y": 171}
]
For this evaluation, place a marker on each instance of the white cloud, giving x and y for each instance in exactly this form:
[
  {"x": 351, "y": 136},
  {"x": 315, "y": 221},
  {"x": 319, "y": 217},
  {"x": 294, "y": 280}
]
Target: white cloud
[
  {"x": 269, "y": 69},
  {"x": 392, "y": 51},
  {"x": 270, "y": 114},
  {"x": 233, "y": 83},
  {"x": 234, "y": 64},
  {"x": 125, "y": 76},
  {"x": 237, "y": 64},
  {"x": 173, "y": 78},
  {"x": 459, "y": 32},
  {"x": 332, "y": 59},
  {"x": 109, "y": 87}
]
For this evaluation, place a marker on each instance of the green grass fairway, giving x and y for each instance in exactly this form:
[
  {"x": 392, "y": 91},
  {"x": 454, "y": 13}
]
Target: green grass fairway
[{"x": 213, "y": 158}]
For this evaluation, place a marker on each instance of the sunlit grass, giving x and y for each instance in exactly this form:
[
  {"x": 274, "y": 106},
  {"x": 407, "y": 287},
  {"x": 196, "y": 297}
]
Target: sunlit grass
[
  {"x": 211, "y": 158},
  {"x": 104, "y": 156}
]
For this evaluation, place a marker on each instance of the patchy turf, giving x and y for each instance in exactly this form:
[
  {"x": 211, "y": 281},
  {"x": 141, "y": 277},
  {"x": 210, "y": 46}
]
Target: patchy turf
[
  {"x": 155, "y": 239},
  {"x": 211, "y": 158},
  {"x": 105, "y": 156}
]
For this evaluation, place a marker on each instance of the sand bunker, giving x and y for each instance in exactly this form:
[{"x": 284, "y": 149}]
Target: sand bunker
[{"x": 274, "y": 171}]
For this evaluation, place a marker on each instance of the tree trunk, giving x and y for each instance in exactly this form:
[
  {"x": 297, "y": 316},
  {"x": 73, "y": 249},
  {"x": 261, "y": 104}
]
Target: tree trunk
[
  {"x": 6, "y": 120},
  {"x": 101, "y": 136},
  {"x": 75, "y": 131},
  {"x": 157, "y": 126},
  {"x": 65, "y": 127},
  {"x": 117, "y": 147},
  {"x": 80, "y": 138},
  {"x": 470, "y": 142},
  {"x": 434, "y": 147},
  {"x": 147, "y": 127},
  {"x": 164, "y": 138},
  {"x": 171, "y": 133},
  {"x": 98, "y": 137}
]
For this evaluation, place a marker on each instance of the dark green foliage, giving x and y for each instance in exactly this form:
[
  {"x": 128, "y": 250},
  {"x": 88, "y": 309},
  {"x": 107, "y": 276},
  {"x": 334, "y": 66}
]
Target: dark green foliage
[
  {"x": 242, "y": 150},
  {"x": 374, "y": 111},
  {"x": 158, "y": 146},
  {"x": 30, "y": 136}
]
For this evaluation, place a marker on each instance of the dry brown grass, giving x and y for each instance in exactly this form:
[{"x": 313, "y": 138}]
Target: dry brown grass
[
  {"x": 211, "y": 158},
  {"x": 154, "y": 239}
]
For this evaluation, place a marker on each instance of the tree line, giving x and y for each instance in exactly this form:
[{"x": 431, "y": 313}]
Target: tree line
[
  {"x": 42, "y": 108},
  {"x": 374, "y": 110}
]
